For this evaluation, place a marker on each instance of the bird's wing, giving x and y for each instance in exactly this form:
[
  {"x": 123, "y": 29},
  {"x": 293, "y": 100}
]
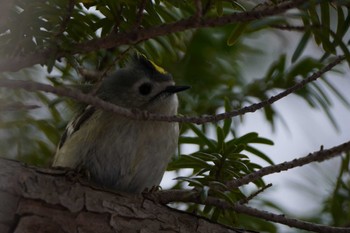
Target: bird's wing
[{"x": 76, "y": 123}]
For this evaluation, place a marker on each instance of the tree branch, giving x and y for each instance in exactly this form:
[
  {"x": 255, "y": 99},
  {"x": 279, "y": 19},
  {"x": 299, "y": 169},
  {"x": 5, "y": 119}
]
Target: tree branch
[
  {"x": 253, "y": 195},
  {"x": 66, "y": 18},
  {"x": 135, "y": 36},
  {"x": 35, "y": 200},
  {"x": 74, "y": 94},
  {"x": 199, "y": 11},
  {"x": 139, "y": 15},
  {"x": 317, "y": 156},
  {"x": 139, "y": 115},
  {"x": 168, "y": 196},
  {"x": 282, "y": 219},
  {"x": 290, "y": 28}
]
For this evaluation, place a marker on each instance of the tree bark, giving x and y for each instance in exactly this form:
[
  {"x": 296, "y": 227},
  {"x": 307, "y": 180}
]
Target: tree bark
[{"x": 44, "y": 200}]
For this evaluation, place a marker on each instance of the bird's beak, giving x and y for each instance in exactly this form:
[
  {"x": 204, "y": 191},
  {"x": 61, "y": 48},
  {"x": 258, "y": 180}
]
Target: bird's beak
[
  {"x": 175, "y": 89},
  {"x": 168, "y": 91}
]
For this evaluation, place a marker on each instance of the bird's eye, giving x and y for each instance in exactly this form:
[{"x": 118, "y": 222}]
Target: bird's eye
[{"x": 145, "y": 88}]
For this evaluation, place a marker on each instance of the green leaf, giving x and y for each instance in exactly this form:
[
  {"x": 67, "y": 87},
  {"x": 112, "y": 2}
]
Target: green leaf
[
  {"x": 231, "y": 173},
  {"x": 322, "y": 94},
  {"x": 241, "y": 166},
  {"x": 315, "y": 22},
  {"x": 228, "y": 121},
  {"x": 207, "y": 157},
  {"x": 203, "y": 137},
  {"x": 106, "y": 12},
  {"x": 191, "y": 181},
  {"x": 188, "y": 161},
  {"x": 262, "y": 141},
  {"x": 218, "y": 185},
  {"x": 204, "y": 193},
  {"x": 237, "y": 6},
  {"x": 344, "y": 27},
  {"x": 301, "y": 46},
  {"x": 236, "y": 32},
  {"x": 266, "y": 23},
  {"x": 44, "y": 147},
  {"x": 216, "y": 214},
  {"x": 327, "y": 45},
  {"x": 190, "y": 140},
  {"x": 325, "y": 18},
  {"x": 259, "y": 154},
  {"x": 276, "y": 70},
  {"x": 219, "y": 8},
  {"x": 153, "y": 18},
  {"x": 337, "y": 93},
  {"x": 233, "y": 147},
  {"x": 50, "y": 62},
  {"x": 340, "y": 22},
  {"x": 207, "y": 209},
  {"x": 225, "y": 196},
  {"x": 322, "y": 102},
  {"x": 343, "y": 47},
  {"x": 220, "y": 139},
  {"x": 246, "y": 138},
  {"x": 236, "y": 156}
]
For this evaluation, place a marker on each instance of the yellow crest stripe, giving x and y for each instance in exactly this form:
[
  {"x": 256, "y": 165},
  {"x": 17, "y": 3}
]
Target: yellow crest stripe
[{"x": 158, "y": 68}]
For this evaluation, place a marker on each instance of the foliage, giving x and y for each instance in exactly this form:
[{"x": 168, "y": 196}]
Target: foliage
[
  {"x": 335, "y": 209},
  {"x": 216, "y": 162},
  {"x": 338, "y": 204},
  {"x": 80, "y": 38}
]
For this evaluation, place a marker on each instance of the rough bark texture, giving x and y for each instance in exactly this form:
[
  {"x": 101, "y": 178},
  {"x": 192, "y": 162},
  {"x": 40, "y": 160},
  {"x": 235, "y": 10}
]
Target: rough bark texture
[{"x": 36, "y": 200}]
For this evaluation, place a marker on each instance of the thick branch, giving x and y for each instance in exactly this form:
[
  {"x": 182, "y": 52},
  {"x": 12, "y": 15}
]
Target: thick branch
[
  {"x": 33, "y": 197},
  {"x": 34, "y": 200},
  {"x": 89, "y": 99},
  {"x": 135, "y": 36}
]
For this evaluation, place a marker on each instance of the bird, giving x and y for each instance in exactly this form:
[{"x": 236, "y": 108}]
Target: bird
[{"x": 117, "y": 152}]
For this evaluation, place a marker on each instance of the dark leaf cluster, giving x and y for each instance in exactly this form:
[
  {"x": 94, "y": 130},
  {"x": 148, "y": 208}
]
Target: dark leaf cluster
[{"x": 219, "y": 160}]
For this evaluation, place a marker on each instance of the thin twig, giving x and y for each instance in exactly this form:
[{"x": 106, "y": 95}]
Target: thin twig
[
  {"x": 290, "y": 28},
  {"x": 17, "y": 106},
  {"x": 253, "y": 107},
  {"x": 139, "y": 115},
  {"x": 317, "y": 156},
  {"x": 282, "y": 219},
  {"x": 139, "y": 15},
  {"x": 107, "y": 69},
  {"x": 253, "y": 195},
  {"x": 132, "y": 37},
  {"x": 88, "y": 75},
  {"x": 66, "y": 18},
  {"x": 199, "y": 11},
  {"x": 72, "y": 93},
  {"x": 118, "y": 19},
  {"x": 182, "y": 25}
]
